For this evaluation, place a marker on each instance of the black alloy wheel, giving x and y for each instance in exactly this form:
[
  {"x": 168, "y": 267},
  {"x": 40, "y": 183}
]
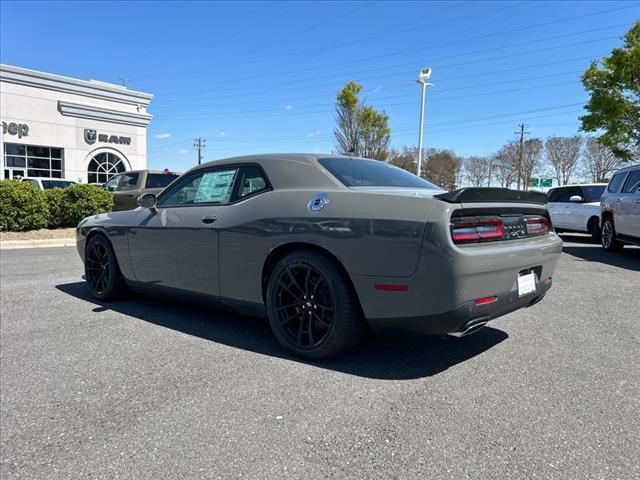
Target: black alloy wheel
[
  {"x": 311, "y": 306},
  {"x": 101, "y": 269}
]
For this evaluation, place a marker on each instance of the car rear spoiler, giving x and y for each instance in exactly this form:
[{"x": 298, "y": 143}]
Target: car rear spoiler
[{"x": 492, "y": 195}]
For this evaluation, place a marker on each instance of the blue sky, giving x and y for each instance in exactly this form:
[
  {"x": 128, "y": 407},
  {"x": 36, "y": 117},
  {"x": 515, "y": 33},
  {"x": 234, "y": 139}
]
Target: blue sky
[{"x": 262, "y": 76}]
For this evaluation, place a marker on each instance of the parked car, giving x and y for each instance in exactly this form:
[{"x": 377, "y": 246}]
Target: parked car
[
  {"x": 576, "y": 208},
  {"x": 46, "y": 183},
  {"x": 620, "y": 205},
  {"x": 325, "y": 245},
  {"x": 128, "y": 186}
]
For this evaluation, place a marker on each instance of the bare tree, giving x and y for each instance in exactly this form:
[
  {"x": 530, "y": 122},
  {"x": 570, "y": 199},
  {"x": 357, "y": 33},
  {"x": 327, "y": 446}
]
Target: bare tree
[
  {"x": 531, "y": 155},
  {"x": 599, "y": 160},
  {"x": 442, "y": 167},
  {"x": 563, "y": 154},
  {"x": 477, "y": 170},
  {"x": 403, "y": 158},
  {"x": 505, "y": 164}
]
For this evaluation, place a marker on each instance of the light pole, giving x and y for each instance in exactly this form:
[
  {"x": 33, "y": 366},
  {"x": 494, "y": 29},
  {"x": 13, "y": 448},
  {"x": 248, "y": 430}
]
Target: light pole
[{"x": 424, "y": 75}]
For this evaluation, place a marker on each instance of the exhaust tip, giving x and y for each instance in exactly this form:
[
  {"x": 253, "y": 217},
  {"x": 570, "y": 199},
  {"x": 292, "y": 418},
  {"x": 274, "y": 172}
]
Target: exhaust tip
[{"x": 469, "y": 328}]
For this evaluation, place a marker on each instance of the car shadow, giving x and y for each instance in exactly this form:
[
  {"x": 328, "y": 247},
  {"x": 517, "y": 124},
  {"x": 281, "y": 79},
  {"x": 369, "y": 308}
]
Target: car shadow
[
  {"x": 387, "y": 358},
  {"x": 628, "y": 258}
]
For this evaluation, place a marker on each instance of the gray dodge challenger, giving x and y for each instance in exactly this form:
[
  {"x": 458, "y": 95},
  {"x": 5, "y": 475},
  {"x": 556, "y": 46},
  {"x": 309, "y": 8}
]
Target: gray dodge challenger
[{"x": 327, "y": 246}]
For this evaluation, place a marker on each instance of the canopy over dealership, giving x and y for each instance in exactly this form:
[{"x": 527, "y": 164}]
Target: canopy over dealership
[{"x": 54, "y": 126}]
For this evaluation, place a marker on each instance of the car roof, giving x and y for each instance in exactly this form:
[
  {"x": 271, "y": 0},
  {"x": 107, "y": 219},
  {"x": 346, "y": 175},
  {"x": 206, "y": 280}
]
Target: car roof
[
  {"x": 48, "y": 178},
  {"x": 580, "y": 185},
  {"x": 626, "y": 169}
]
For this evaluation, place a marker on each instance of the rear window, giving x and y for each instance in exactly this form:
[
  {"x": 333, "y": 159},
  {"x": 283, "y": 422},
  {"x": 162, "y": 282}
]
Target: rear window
[
  {"x": 592, "y": 193},
  {"x": 616, "y": 182},
  {"x": 359, "y": 172},
  {"x": 159, "y": 180},
  {"x": 49, "y": 184}
]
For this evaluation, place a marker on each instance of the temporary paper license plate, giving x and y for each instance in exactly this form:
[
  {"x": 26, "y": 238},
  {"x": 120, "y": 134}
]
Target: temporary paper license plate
[{"x": 526, "y": 284}]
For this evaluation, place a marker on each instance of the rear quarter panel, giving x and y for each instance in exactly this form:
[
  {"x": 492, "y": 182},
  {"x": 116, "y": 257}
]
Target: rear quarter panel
[{"x": 369, "y": 234}]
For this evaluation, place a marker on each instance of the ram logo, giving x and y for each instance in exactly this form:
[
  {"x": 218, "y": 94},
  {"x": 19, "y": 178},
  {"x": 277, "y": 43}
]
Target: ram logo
[{"x": 90, "y": 136}]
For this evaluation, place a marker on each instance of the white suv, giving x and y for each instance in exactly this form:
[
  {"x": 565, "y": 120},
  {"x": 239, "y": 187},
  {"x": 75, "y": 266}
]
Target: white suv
[
  {"x": 576, "y": 208},
  {"x": 621, "y": 209}
]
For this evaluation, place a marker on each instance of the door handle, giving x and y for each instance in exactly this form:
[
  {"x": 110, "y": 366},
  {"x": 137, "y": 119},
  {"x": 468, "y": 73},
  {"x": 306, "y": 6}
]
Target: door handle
[{"x": 208, "y": 219}]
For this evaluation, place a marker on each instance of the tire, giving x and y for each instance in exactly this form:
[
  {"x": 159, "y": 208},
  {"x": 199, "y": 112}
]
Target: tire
[
  {"x": 608, "y": 237},
  {"x": 305, "y": 282},
  {"x": 593, "y": 228},
  {"x": 101, "y": 270}
]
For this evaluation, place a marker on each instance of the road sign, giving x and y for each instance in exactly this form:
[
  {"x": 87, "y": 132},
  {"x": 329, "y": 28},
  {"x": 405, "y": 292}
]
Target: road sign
[
  {"x": 546, "y": 182},
  {"x": 534, "y": 182}
]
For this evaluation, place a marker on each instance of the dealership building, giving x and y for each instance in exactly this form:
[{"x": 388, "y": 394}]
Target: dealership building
[{"x": 81, "y": 130}]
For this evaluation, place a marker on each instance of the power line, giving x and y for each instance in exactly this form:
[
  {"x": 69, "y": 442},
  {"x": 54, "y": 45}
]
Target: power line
[
  {"x": 262, "y": 92},
  {"x": 405, "y": 84},
  {"x": 305, "y": 53},
  {"x": 442, "y": 44}
]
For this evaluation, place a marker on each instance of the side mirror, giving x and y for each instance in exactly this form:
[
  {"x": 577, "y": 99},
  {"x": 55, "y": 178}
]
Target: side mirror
[
  {"x": 575, "y": 198},
  {"x": 148, "y": 200}
]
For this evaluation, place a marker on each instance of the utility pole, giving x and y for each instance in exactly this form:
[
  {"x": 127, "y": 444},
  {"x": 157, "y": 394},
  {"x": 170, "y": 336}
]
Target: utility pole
[
  {"x": 199, "y": 144},
  {"x": 123, "y": 81},
  {"x": 522, "y": 133}
]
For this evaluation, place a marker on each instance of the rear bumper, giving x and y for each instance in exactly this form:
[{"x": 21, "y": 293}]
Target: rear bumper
[{"x": 461, "y": 318}]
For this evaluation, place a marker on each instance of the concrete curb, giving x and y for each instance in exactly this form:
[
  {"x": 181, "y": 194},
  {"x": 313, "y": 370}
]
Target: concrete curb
[{"x": 52, "y": 242}]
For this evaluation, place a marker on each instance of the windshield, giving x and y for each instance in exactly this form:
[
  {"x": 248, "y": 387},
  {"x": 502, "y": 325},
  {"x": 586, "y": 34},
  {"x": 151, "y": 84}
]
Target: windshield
[
  {"x": 159, "y": 180},
  {"x": 359, "y": 172},
  {"x": 49, "y": 184},
  {"x": 592, "y": 193}
]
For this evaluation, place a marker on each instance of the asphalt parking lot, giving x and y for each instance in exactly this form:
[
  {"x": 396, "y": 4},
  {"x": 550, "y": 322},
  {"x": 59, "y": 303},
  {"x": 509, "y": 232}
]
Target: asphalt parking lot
[{"x": 146, "y": 388}]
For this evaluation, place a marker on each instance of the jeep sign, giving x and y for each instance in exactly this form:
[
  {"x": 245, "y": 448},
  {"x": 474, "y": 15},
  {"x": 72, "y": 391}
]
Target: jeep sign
[{"x": 19, "y": 129}]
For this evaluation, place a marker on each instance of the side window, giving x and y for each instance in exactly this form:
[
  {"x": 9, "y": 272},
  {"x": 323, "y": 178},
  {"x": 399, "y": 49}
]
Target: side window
[
  {"x": 112, "y": 184},
  {"x": 632, "y": 183},
  {"x": 555, "y": 194},
  {"x": 129, "y": 181},
  {"x": 213, "y": 186},
  {"x": 567, "y": 193},
  {"x": 616, "y": 181},
  {"x": 251, "y": 180}
]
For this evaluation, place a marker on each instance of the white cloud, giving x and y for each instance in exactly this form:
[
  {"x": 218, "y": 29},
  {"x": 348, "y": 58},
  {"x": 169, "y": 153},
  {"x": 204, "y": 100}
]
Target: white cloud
[
  {"x": 288, "y": 107},
  {"x": 313, "y": 134},
  {"x": 222, "y": 133},
  {"x": 162, "y": 136},
  {"x": 377, "y": 89},
  {"x": 183, "y": 151}
]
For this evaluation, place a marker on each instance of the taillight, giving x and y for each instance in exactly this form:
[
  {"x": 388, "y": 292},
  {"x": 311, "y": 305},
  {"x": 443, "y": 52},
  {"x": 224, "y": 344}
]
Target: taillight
[
  {"x": 476, "y": 229},
  {"x": 537, "y": 225}
]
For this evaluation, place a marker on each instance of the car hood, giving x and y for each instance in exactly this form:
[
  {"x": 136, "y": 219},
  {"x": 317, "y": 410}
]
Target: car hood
[{"x": 401, "y": 191}]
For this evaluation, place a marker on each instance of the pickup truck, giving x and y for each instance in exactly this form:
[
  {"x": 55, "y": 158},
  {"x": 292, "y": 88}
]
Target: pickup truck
[{"x": 128, "y": 186}]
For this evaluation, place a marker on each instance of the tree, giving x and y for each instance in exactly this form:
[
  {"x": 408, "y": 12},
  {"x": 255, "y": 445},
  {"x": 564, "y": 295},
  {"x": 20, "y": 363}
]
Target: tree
[
  {"x": 563, "y": 154},
  {"x": 403, "y": 158},
  {"x": 348, "y": 132},
  {"x": 477, "y": 170},
  {"x": 599, "y": 160},
  {"x": 614, "y": 106},
  {"x": 505, "y": 164},
  {"x": 361, "y": 130},
  {"x": 442, "y": 167},
  {"x": 531, "y": 155}
]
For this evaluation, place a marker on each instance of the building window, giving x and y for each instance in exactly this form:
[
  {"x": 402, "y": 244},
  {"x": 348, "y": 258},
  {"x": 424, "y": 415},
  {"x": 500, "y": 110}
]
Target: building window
[
  {"x": 103, "y": 166},
  {"x": 33, "y": 161}
]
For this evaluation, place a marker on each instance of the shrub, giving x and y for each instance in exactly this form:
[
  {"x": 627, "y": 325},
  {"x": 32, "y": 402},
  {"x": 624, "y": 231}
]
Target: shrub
[
  {"x": 80, "y": 201},
  {"x": 22, "y": 206},
  {"x": 55, "y": 198}
]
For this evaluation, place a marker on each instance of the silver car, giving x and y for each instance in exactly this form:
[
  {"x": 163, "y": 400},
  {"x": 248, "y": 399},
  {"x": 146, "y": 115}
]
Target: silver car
[
  {"x": 326, "y": 246},
  {"x": 620, "y": 205}
]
